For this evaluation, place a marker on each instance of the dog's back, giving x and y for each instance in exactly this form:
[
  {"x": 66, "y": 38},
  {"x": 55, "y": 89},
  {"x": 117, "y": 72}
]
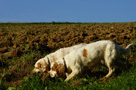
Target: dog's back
[
  {"x": 87, "y": 55},
  {"x": 63, "y": 51}
]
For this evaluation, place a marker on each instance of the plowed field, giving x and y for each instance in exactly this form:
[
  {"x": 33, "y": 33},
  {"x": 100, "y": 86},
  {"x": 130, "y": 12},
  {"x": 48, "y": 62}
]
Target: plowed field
[{"x": 22, "y": 44}]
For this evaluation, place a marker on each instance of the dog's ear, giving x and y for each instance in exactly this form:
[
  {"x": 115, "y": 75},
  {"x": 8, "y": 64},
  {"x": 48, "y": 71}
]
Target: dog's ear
[
  {"x": 61, "y": 71},
  {"x": 54, "y": 67}
]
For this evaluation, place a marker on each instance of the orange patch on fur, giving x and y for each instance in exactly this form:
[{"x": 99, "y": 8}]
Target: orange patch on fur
[
  {"x": 85, "y": 53},
  {"x": 59, "y": 68},
  {"x": 54, "y": 68}
]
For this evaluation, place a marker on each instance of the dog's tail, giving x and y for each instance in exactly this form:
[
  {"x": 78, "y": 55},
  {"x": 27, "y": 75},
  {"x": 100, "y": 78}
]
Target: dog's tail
[
  {"x": 130, "y": 46},
  {"x": 125, "y": 50}
]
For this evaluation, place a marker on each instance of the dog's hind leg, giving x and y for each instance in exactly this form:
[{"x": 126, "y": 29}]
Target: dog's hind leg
[
  {"x": 111, "y": 68},
  {"x": 110, "y": 57},
  {"x": 111, "y": 71}
]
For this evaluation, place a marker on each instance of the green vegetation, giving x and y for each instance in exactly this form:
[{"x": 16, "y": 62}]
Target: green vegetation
[
  {"x": 125, "y": 81},
  {"x": 2, "y": 86}
]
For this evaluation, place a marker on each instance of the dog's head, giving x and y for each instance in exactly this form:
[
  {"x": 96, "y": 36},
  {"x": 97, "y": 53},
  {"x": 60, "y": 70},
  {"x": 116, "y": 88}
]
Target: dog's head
[
  {"x": 41, "y": 66},
  {"x": 57, "y": 70}
]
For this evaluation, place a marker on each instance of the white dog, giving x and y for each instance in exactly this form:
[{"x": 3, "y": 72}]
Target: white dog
[
  {"x": 88, "y": 56},
  {"x": 43, "y": 64}
]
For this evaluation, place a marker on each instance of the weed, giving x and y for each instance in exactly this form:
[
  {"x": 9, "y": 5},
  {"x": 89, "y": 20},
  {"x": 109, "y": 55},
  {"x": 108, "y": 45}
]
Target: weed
[
  {"x": 2, "y": 86},
  {"x": 3, "y": 62},
  {"x": 26, "y": 46},
  {"x": 32, "y": 83},
  {"x": 26, "y": 56},
  {"x": 134, "y": 40}
]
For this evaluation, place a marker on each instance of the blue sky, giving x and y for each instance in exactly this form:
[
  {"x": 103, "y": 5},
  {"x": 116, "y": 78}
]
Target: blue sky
[{"x": 67, "y": 10}]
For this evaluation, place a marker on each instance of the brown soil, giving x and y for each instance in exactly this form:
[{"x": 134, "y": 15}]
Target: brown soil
[{"x": 17, "y": 40}]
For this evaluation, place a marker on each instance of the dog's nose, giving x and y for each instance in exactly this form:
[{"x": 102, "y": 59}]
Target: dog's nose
[
  {"x": 33, "y": 72},
  {"x": 38, "y": 72}
]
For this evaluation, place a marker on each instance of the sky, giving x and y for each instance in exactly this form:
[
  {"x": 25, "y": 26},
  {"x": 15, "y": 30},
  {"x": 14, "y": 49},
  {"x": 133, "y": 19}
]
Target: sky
[{"x": 68, "y": 11}]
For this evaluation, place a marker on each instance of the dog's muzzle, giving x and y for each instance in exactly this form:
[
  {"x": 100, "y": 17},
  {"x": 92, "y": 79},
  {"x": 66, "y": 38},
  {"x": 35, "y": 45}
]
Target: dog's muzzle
[{"x": 52, "y": 74}]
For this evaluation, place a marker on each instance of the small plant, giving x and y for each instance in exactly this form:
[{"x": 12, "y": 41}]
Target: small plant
[
  {"x": 26, "y": 56},
  {"x": 2, "y": 87},
  {"x": 134, "y": 40},
  {"x": 32, "y": 83},
  {"x": 26, "y": 46}
]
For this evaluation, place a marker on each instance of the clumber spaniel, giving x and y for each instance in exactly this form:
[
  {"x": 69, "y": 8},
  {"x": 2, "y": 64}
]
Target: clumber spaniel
[
  {"x": 43, "y": 64},
  {"x": 88, "y": 56}
]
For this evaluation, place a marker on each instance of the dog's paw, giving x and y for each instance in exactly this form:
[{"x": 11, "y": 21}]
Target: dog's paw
[{"x": 104, "y": 79}]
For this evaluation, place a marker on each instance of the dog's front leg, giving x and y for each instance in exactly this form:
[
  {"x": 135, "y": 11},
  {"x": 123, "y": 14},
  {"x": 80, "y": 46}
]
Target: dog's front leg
[{"x": 70, "y": 76}]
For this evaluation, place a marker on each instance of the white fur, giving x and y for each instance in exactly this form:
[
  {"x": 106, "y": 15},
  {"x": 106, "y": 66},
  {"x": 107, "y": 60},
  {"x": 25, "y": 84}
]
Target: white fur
[
  {"x": 97, "y": 51},
  {"x": 53, "y": 57}
]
